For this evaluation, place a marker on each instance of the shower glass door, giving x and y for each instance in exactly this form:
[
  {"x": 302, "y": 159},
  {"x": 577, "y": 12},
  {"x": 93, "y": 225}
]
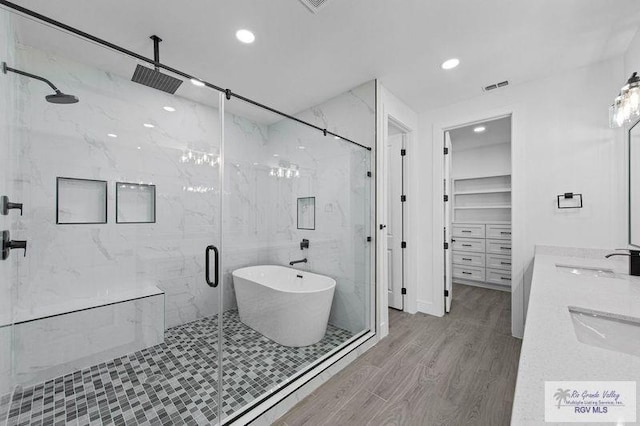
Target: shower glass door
[
  {"x": 296, "y": 259},
  {"x": 114, "y": 318}
]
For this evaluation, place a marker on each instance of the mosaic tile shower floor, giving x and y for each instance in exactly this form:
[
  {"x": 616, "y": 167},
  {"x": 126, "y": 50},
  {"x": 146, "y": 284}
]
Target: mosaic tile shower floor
[{"x": 174, "y": 383}]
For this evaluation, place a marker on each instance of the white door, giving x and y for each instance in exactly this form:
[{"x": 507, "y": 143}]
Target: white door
[
  {"x": 448, "y": 287},
  {"x": 394, "y": 259}
]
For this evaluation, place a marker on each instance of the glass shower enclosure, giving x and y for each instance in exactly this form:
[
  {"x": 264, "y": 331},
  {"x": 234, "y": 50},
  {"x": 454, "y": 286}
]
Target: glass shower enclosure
[{"x": 167, "y": 256}]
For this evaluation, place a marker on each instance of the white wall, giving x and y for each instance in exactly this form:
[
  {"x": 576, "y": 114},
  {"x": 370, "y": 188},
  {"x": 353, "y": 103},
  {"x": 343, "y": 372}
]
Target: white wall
[
  {"x": 561, "y": 142},
  {"x": 392, "y": 108},
  {"x": 482, "y": 161},
  {"x": 632, "y": 57}
]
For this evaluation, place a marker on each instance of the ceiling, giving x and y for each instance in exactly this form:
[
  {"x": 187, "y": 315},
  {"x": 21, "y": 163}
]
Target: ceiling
[
  {"x": 496, "y": 132},
  {"x": 300, "y": 59}
]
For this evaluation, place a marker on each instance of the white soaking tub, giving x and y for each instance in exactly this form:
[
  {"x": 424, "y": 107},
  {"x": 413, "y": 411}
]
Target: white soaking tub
[{"x": 289, "y": 306}]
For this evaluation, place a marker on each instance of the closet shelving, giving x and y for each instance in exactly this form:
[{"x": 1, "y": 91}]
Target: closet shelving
[{"x": 486, "y": 198}]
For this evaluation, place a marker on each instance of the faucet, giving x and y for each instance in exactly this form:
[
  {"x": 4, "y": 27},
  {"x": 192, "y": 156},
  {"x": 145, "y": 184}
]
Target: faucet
[
  {"x": 293, "y": 262},
  {"x": 634, "y": 260}
]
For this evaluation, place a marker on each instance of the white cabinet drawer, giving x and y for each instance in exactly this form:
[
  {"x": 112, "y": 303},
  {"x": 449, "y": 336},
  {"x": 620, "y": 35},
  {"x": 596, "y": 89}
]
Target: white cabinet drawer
[
  {"x": 499, "y": 231},
  {"x": 498, "y": 261},
  {"x": 496, "y": 276},
  {"x": 468, "y": 259},
  {"x": 468, "y": 273},
  {"x": 468, "y": 244},
  {"x": 499, "y": 247},
  {"x": 467, "y": 230}
]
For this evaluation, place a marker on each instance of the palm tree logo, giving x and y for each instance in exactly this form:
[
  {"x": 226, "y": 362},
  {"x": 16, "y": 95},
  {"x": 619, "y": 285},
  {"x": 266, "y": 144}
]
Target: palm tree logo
[{"x": 561, "y": 396}]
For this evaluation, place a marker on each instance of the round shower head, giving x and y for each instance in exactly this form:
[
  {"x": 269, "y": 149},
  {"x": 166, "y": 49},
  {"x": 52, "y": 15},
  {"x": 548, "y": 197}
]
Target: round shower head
[{"x": 61, "y": 98}]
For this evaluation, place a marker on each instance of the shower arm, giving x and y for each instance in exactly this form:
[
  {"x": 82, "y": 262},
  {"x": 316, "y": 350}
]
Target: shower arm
[{"x": 5, "y": 69}]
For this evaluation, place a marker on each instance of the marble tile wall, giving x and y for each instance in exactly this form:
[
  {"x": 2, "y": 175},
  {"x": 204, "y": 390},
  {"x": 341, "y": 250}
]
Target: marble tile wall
[{"x": 83, "y": 261}]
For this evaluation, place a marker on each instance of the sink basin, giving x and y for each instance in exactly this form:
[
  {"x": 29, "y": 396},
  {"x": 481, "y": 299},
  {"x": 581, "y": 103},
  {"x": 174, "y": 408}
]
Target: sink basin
[
  {"x": 586, "y": 271},
  {"x": 619, "y": 333}
]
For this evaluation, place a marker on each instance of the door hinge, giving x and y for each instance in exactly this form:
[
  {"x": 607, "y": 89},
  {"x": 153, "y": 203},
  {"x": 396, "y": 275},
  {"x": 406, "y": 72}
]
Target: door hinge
[
  {"x": 403, "y": 244},
  {"x": 368, "y": 174},
  {"x": 446, "y": 198},
  {"x": 368, "y": 239},
  {"x": 404, "y": 290},
  {"x": 446, "y": 293},
  {"x": 446, "y": 246},
  {"x": 403, "y": 152},
  {"x": 403, "y": 198},
  {"x": 446, "y": 150}
]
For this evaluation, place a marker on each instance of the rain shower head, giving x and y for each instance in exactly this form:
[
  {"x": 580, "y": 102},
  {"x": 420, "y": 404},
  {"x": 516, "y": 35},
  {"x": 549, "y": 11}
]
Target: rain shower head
[
  {"x": 56, "y": 98},
  {"x": 61, "y": 98},
  {"x": 153, "y": 77}
]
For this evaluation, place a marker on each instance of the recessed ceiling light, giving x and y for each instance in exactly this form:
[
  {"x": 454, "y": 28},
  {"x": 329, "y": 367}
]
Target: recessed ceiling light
[
  {"x": 112, "y": 135},
  {"x": 148, "y": 125},
  {"x": 450, "y": 63},
  {"x": 169, "y": 109},
  {"x": 197, "y": 82},
  {"x": 245, "y": 36},
  {"x": 336, "y": 137},
  {"x": 276, "y": 155},
  {"x": 302, "y": 147},
  {"x": 479, "y": 129},
  {"x": 139, "y": 147},
  {"x": 255, "y": 164}
]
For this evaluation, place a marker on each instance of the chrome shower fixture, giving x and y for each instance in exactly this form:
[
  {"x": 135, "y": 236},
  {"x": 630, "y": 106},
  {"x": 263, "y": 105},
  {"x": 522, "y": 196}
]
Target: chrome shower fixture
[{"x": 56, "y": 98}]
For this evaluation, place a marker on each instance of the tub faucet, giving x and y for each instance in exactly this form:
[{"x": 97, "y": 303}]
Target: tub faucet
[
  {"x": 293, "y": 262},
  {"x": 634, "y": 260}
]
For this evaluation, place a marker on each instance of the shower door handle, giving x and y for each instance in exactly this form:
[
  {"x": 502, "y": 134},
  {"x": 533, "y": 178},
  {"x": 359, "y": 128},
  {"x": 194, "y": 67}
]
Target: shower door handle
[{"x": 207, "y": 267}]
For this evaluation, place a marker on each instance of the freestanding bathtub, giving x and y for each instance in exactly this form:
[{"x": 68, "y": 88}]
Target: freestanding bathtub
[{"x": 288, "y": 306}]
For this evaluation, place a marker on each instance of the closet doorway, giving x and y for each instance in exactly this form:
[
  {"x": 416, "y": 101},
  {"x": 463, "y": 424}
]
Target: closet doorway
[
  {"x": 395, "y": 211},
  {"x": 477, "y": 206}
]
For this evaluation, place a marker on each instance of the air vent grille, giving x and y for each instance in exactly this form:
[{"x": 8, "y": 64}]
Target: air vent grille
[
  {"x": 495, "y": 86},
  {"x": 315, "y": 5}
]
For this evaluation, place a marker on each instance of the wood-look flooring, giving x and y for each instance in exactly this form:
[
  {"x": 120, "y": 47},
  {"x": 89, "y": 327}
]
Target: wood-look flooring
[{"x": 456, "y": 370}]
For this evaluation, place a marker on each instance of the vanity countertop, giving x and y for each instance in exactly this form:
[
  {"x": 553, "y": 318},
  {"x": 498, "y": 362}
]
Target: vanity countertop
[{"x": 550, "y": 349}]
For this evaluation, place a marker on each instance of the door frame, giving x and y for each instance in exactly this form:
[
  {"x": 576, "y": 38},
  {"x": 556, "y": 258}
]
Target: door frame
[
  {"x": 518, "y": 291},
  {"x": 403, "y": 219}
]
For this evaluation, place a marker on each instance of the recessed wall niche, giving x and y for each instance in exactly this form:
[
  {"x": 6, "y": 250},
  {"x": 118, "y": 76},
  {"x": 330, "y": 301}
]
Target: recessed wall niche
[
  {"x": 80, "y": 201},
  {"x": 135, "y": 203},
  {"x": 307, "y": 213}
]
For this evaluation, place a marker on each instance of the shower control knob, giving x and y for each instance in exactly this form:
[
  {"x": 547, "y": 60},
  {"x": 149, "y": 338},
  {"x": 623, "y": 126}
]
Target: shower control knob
[
  {"x": 8, "y": 244},
  {"x": 6, "y": 205}
]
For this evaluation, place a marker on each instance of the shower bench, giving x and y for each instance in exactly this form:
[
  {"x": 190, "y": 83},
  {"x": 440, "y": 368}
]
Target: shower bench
[{"x": 58, "y": 339}]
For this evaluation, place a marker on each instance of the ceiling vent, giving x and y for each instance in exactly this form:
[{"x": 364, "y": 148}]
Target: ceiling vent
[
  {"x": 495, "y": 86},
  {"x": 315, "y": 5}
]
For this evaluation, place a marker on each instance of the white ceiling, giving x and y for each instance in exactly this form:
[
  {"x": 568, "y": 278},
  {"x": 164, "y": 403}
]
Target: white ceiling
[
  {"x": 300, "y": 59},
  {"x": 496, "y": 132}
]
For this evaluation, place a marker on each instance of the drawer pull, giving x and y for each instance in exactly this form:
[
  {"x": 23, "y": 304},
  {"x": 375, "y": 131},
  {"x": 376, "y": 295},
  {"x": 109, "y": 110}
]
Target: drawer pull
[
  {"x": 505, "y": 263},
  {"x": 467, "y": 259},
  {"x": 505, "y": 233},
  {"x": 466, "y": 245},
  {"x": 467, "y": 231},
  {"x": 467, "y": 273},
  {"x": 505, "y": 248},
  {"x": 505, "y": 278}
]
